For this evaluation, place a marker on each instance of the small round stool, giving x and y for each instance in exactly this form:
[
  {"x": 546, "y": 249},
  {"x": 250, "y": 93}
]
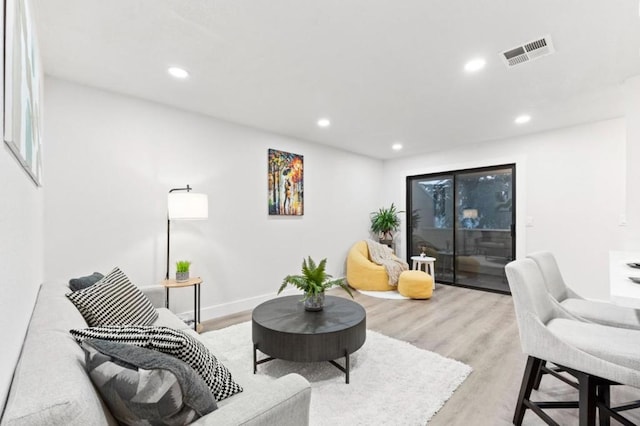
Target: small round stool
[
  {"x": 427, "y": 261},
  {"x": 415, "y": 284}
]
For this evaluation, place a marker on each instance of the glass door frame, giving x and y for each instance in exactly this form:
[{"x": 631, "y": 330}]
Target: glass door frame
[{"x": 454, "y": 174}]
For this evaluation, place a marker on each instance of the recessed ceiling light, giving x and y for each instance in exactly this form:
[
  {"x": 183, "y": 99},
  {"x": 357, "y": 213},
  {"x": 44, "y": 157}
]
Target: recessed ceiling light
[
  {"x": 475, "y": 65},
  {"x": 521, "y": 119},
  {"x": 396, "y": 146},
  {"x": 178, "y": 72},
  {"x": 324, "y": 122}
]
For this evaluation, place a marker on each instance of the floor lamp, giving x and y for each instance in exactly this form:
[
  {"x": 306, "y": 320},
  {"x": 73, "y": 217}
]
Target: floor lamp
[{"x": 182, "y": 204}]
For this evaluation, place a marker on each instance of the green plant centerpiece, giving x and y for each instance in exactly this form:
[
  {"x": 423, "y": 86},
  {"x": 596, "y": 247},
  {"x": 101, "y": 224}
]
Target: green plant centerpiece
[
  {"x": 384, "y": 222},
  {"x": 313, "y": 282},
  {"x": 182, "y": 270}
]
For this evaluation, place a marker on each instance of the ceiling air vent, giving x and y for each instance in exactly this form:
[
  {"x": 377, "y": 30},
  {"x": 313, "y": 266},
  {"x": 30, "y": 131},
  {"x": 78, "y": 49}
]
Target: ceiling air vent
[{"x": 528, "y": 51}]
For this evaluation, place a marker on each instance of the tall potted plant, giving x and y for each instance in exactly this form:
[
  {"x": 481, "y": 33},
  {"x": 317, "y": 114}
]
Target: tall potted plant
[
  {"x": 384, "y": 222},
  {"x": 313, "y": 282}
]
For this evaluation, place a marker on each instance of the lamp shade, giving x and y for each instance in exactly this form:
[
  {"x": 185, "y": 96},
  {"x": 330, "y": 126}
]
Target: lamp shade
[
  {"x": 470, "y": 213},
  {"x": 187, "y": 206}
]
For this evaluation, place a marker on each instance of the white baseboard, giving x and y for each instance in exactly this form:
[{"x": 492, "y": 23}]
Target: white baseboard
[
  {"x": 230, "y": 308},
  {"x": 224, "y": 309}
]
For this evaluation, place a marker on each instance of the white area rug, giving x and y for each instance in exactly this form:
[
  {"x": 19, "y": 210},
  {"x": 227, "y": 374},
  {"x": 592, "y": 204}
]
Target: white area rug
[
  {"x": 392, "y": 294},
  {"x": 392, "y": 382}
]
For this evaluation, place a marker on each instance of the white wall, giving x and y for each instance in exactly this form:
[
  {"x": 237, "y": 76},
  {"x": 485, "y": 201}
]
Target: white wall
[
  {"x": 21, "y": 255},
  {"x": 632, "y": 90},
  {"x": 111, "y": 161},
  {"x": 570, "y": 182},
  {"x": 20, "y": 259}
]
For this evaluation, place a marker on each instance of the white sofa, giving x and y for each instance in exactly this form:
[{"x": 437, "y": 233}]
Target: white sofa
[{"x": 51, "y": 387}]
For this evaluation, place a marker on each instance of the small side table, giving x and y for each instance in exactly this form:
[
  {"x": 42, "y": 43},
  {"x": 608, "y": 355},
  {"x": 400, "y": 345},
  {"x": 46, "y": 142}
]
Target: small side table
[
  {"x": 195, "y": 282},
  {"x": 428, "y": 263}
]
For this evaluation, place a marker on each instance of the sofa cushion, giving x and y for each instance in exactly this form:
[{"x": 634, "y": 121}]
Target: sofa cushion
[
  {"x": 166, "y": 318},
  {"x": 76, "y": 284},
  {"x": 50, "y": 385},
  {"x": 114, "y": 301},
  {"x": 144, "y": 386},
  {"x": 173, "y": 342}
]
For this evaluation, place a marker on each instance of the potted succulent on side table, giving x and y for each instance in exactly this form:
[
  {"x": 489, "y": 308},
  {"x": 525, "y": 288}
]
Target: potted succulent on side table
[
  {"x": 313, "y": 282},
  {"x": 384, "y": 222},
  {"x": 182, "y": 270}
]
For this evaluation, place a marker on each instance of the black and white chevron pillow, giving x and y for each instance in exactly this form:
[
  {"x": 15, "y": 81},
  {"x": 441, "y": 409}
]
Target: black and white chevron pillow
[
  {"x": 173, "y": 342},
  {"x": 114, "y": 300}
]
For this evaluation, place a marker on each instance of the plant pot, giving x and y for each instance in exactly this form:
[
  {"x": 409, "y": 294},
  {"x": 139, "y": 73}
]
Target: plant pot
[
  {"x": 314, "y": 303},
  {"x": 182, "y": 276},
  {"x": 386, "y": 242}
]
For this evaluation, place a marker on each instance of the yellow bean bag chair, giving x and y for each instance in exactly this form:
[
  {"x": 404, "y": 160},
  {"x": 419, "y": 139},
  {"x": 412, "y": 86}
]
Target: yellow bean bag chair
[{"x": 362, "y": 273}]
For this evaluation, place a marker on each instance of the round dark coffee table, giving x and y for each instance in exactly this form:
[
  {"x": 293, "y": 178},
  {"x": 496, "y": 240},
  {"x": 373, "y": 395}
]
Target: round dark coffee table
[{"x": 282, "y": 329}]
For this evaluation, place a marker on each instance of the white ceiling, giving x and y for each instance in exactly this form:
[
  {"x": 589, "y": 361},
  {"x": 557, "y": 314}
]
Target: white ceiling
[{"x": 382, "y": 70}]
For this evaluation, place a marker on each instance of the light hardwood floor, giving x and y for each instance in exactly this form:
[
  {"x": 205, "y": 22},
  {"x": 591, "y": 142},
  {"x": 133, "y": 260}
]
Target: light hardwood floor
[{"x": 474, "y": 327}]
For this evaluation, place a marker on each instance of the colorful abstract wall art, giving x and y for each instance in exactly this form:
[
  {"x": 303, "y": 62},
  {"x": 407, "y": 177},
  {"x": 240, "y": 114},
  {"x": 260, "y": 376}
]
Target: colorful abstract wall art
[{"x": 286, "y": 183}]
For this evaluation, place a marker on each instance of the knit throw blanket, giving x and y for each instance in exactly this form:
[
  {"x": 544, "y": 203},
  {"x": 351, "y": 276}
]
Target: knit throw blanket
[{"x": 383, "y": 255}]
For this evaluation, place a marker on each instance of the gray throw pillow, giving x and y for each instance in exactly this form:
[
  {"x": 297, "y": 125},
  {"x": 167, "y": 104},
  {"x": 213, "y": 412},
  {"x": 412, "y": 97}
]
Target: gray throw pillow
[
  {"x": 114, "y": 300},
  {"x": 142, "y": 387},
  {"x": 172, "y": 342},
  {"x": 76, "y": 284}
]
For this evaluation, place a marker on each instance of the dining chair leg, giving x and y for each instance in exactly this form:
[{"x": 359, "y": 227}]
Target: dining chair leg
[
  {"x": 587, "y": 399},
  {"x": 539, "y": 374},
  {"x": 528, "y": 380}
]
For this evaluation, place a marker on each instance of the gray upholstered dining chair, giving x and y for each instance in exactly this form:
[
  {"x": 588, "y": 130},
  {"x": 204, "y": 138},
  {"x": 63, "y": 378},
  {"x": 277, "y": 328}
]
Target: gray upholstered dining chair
[
  {"x": 596, "y": 355},
  {"x": 589, "y": 310},
  {"x": 598, "y": 312}
]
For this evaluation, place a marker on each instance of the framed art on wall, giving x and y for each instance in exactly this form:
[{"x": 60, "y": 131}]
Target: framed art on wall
[
  {"x": 286, "y": 183},
  {"x": 22, "y": 88}
]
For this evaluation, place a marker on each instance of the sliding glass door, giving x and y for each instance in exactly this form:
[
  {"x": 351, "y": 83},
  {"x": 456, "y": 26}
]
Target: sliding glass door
[{"x": 466, "y": 220}]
